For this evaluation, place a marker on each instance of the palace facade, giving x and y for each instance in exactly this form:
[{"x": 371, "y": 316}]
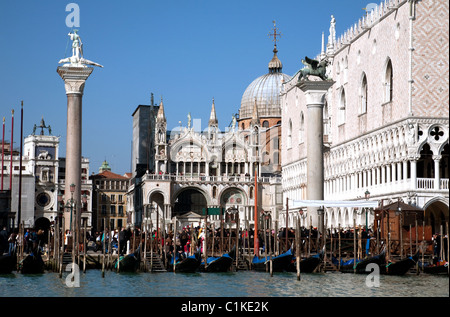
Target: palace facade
[{"x": 386, "y": 125}]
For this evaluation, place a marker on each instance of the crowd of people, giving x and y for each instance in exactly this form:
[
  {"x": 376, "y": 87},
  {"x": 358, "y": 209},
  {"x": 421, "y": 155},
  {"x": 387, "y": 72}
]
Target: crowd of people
[
  {"x": 187, "y": 241},
  {"x": 31, "y": 240}
]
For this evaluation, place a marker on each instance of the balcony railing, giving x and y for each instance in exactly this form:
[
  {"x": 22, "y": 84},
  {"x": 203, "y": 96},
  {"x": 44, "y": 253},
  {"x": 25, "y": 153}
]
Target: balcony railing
[
  {"x": 422, "y": 184},
  {"x": 425, "y": 183},
  {"x": 213, "y": 179}
]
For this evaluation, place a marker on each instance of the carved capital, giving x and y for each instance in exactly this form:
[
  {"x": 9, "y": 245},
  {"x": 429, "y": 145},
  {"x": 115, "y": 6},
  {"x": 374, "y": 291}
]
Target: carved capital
[
  {"x": 437, "y": 157},
  {"x": 74, "y": 86},
  {"x": 74, "y": 78}
]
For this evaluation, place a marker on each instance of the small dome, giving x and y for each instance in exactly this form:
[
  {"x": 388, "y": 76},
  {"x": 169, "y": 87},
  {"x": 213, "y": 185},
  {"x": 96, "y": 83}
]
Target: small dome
[{"x": 105, "y": 167}]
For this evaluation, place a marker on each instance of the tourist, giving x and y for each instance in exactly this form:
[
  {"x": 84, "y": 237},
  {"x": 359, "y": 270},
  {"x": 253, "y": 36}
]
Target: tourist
[
  {"x": 12, "y": 243},
  {"x": 3, "y": 241},
  {"x": 122, "y": 241}
]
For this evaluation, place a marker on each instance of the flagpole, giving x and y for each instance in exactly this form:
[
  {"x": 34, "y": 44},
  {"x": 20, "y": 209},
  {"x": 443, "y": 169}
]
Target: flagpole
[
  {"x": 19, "y": 209},
  {"x": 3, "y": 149},
  {"x": 255, "y": 236},
  {"x": 11, "y": 152}
]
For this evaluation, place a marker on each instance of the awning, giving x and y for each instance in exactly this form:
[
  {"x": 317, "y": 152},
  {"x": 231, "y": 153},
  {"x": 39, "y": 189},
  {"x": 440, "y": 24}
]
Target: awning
[{"x": 335, "y": 203}]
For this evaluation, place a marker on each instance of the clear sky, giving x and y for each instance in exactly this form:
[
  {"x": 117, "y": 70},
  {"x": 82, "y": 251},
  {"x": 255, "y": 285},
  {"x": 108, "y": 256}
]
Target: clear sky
[{"x": 185, "y": 51}]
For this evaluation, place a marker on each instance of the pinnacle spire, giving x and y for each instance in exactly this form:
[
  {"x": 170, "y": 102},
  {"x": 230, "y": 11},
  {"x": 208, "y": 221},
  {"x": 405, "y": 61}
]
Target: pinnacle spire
[
  {"x": 213, "y": 117},
  {"x": 255, "y": 114},
  {"x": 161, "y": 116}
]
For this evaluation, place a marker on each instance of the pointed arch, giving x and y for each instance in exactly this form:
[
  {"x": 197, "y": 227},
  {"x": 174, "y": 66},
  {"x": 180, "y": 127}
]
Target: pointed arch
[
  {"x": 388, "y": 81},
  {"x": 363, "y": 94}
]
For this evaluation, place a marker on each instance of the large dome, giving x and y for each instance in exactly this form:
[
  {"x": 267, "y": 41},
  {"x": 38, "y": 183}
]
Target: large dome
[{"x": 266, "y": 90}]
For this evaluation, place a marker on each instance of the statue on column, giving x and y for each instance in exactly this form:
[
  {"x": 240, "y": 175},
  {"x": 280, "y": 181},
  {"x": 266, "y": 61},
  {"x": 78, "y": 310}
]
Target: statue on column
[
  {"x": 77, "y": 59},
  {"x": 314, "y": 68},
  {"x": 77, "y": 45}
]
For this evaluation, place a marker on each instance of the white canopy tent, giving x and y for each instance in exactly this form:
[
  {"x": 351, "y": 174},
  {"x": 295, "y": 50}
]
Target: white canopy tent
[{"x": 334, "y": 203}]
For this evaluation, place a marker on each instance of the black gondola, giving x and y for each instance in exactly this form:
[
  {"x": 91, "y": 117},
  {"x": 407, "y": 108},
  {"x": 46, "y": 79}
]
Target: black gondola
[
  {"x": 259, "y": 264},
  {"x": 360, "y": 267},
  {"x": 130, "y": 262},
  {"x": 307, "y": 265},
  {"x": 32, "y": 264},
  {"x": 400, "y": 267},
  {"x": 440, "y": 268},
  {"x": 8, "y": 263},
  {"x": 280, "y": 263},
  {"x": 219, "y": 264},
  {"x": 190, "y": 264}
]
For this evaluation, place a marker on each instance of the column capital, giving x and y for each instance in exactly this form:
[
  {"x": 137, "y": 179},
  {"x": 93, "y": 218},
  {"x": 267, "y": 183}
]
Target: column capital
[
  {"x": 74, "y": 78},
  {"x": 315, "y": 91},
  {"x": 436, "y": 157},
  {"x": 414, "y": 158}
]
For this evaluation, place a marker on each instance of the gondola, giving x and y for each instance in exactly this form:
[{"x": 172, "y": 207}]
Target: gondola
[
  {"x": 280, "y": 263},
  {"x": 400, "y": 267},
  {"x": 360, "y": 266},
  {"x": 219, "y": 264},
  {"x": 190, "y": 264},
  {"x": 130, "y": 262},
  {"x": 440, "y": 268},
  {"x": 307, "y": 265},
  {"x": 8, "y": 263},
  {"x": 259, "y": 264},
  {"x": 32, "y": 264}
]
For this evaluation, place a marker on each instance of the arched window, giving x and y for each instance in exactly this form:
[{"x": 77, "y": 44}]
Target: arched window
[
  {"x": 265, "y": 124},
  {"x": 388, "y": 82},
  {"x": 289, "y": 136},
  {"x": 301, "y": 129},
  {"x": 363, "y": 95},
  {"x": 342, "y": 107}
]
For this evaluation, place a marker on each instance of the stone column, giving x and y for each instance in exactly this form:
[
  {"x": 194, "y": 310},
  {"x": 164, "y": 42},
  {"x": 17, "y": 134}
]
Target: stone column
[
  {"x": 315, "y": 96},
  {"x": 74, "y": 79},
  {"x": 437, "y": 181},
  {"x": 413, "y": 172}
]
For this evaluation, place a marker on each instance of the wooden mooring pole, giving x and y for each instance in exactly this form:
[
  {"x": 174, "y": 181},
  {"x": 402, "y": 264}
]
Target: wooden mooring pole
[
  {"x": 448, "y": 269},
  {"x": 297, "y": 247},
  {"x": 423, "y": 242},
  {"x": 61, "y": 247},
  {"x": 103, "y": 252},
  {"x": 354, "y": 245},
  {"x": 339, "y": 233},
  {"x": 84, "y": 246}
]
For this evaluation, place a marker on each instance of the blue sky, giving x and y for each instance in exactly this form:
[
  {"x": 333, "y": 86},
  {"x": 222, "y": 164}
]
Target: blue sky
[{"x": 185, "y": 51}]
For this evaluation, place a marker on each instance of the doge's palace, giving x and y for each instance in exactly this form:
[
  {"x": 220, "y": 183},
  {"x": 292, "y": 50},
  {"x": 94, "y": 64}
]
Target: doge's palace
[{"x": 385, "y": 118}]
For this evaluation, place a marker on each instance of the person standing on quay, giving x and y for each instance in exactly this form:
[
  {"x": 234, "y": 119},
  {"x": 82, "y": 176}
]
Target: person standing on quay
[{"x": 3, "y": 241}]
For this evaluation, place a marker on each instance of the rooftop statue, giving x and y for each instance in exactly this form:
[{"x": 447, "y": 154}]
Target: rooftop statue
[
  {"x": 314, "y": 68},
  {"x": 77, "y": 59}
]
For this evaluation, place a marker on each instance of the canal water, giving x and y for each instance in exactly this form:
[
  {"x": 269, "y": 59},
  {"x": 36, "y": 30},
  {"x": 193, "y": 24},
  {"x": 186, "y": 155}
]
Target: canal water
[{"x": 239, "y": 284}]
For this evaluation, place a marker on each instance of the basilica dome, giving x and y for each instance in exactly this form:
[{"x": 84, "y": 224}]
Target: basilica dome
[{"x": 266, "y": 91}]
